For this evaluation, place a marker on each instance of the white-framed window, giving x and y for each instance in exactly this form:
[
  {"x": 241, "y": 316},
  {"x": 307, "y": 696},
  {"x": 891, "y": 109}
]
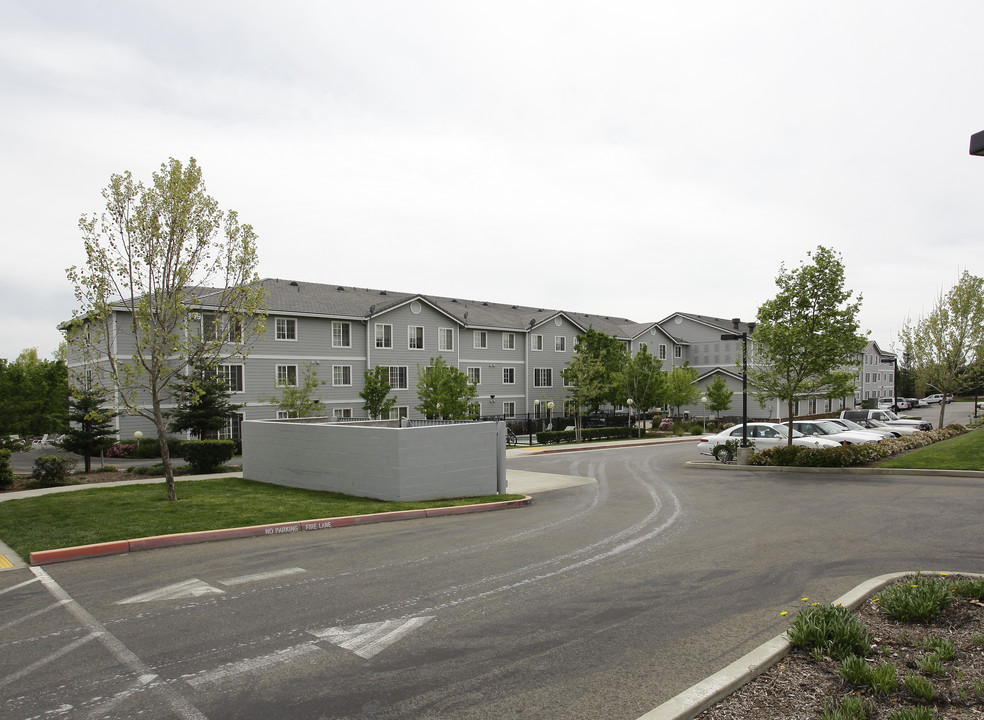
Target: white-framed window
[
  {"x": 536, "y": 342},
  {"x": 286, "y": 414},
  {"x": 415, "y": 337},
  {"x": 287, "y": 375},
  {"x": 508, "y": 341},
  {"x": 678, "y": 351},
  {"x": 643, "y": 347},
  {"x": 232, "y": 375},
  {"x": 396, "y": 413},
  {"x": 398, "y": 377},
  {"x": 286, "y": 328},
  {"x": 662, "y": 351},
  {"x": 560, "y": 343},
  {"x": 475, "y": 409},
  {"x": 475, "y": 375},
  {"x": 233, "y": 429},
  {"x": 342, "y": 412},
  {"x": 480, "y": 339},
  {"x": 341, "y": 375},
  {"x": 445, "y": 339},
  {"x": 215, "y": 327},
  {"x": 341, "y": 334},
  {"x": 384, "y": 336},
  {"x": 508, "y": 376},
  {"x": 509, "y": 408},
  {"x": 542, "y": 377},
  {"x": 567, "y": 383}
]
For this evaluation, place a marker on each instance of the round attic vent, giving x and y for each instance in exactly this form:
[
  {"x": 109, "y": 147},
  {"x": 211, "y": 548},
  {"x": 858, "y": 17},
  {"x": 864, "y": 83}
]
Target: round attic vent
[{"x": 415, "y": 307}]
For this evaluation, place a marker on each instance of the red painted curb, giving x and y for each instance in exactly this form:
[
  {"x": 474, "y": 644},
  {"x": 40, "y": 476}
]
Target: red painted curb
[{"x": 45, "y": 557}]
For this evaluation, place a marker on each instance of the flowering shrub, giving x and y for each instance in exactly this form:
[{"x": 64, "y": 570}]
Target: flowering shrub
[
  {"x": 666, "y": 424},
  {"x": 852, "y": 455},
  {"x": 120, "y": 450}
]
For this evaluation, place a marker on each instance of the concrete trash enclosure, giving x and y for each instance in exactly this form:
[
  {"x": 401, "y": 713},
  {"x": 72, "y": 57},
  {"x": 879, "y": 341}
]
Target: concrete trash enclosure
[{"x": 399, "y": 460}]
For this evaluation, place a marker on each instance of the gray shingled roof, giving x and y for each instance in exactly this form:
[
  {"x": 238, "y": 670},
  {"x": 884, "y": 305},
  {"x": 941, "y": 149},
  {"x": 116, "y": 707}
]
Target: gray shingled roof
[{"x": 291, "y": 296}]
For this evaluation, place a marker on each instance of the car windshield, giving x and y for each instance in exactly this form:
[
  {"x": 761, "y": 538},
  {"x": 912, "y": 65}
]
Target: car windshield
[
  {"x": 829, "y": 428},
  {"x": 850, "y": 424},
  {"x": 784, "y": 431},
  {"x": 876, "y": 423},
  {"x": 891, "y": 415}
]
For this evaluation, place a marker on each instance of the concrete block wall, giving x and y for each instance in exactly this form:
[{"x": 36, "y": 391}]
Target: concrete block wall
[{"x": 377, "y": 459}]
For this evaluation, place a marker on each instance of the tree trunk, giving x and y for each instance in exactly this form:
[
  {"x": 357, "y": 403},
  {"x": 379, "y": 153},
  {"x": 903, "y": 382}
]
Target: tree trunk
[
  {"x": 789, "y": 424},
  {"x": 172, "y": 493}
]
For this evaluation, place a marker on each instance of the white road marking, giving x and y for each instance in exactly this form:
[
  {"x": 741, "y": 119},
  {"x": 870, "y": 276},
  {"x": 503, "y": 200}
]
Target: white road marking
[
  {"x": 37, "y": 665},
  {"x": 34, "y": 614},
  {"x": 188, "y": 588},
  {"x": 253, "y": 664},
  {"x": 371, "y": 638},
  {"x": 243, "y": 579},
  {"x": 181, "y": 706},
  {"x": 18, "y": 585}
]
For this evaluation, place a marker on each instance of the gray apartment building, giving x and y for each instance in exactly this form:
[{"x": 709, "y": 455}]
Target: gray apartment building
[{"x": 515, "y": 355}]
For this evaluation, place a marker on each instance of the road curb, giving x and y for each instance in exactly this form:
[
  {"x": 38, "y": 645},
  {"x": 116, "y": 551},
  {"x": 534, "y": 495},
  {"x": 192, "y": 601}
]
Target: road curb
[
  {"x": 118, "y": 547},
  {"x": 697, "y": 698}
]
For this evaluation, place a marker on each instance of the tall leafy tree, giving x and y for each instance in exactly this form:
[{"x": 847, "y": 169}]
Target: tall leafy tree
[
  {"x": 300, "y": 400},
  {"x": 681, "y": 387},
  {"x": 204, "y": 403},
  {"x": 444, "y": 391},
  {"x": 807, "y": 341},
  {"x": 643, "y": 381},
  {"x": 375, "y": 392},
  {"x": 33, "y": 395},
  {"x": 92, "y": 429},
  {"x": 719, "y": 395},
  {"x": 598, "y": 362},
  {"x": 155, "y": 257},
  {"x": 942, "y": 346}
]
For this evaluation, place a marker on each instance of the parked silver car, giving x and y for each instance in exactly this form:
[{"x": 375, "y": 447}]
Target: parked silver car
[
  {"x": 880, "y": 429},
  {"x": 830, "y": 431}
]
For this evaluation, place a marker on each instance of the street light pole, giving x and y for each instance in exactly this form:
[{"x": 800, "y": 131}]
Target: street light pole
[{"x": 743, "y": 336}]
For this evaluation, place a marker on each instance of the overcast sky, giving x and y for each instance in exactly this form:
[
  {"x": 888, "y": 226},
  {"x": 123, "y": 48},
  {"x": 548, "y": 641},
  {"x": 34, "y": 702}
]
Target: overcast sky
[{"x": 622, "y": 158}]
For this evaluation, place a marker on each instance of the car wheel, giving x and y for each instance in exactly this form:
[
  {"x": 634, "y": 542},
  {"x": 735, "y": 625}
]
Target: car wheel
[{"x": 722, "y": 453}]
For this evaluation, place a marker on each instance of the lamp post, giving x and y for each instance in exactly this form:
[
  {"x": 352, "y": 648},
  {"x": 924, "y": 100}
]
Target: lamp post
[
  {"x": 138, "y": 434},
  {"x": 743, "y": 336},
  {"x": 630, "y": 402},
  {"x": 704, "y": 400}
]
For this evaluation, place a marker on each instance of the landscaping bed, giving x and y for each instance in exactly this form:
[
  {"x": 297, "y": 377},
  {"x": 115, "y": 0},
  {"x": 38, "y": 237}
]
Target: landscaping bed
[{"x": 918, "y": 668}]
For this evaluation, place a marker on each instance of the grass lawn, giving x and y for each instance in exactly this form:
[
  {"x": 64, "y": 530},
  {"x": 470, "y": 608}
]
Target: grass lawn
[
  {"x": 97, "y": 515},
  {"x": 965, "y": 452}
]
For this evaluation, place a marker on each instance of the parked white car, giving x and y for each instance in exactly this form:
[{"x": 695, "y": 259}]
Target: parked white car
[
  {"x": 880, "y": 429},
  {"x": 761, "y": 435},
  {"x": 937, "y": 398},
  {"x": 830, "y": 431}
]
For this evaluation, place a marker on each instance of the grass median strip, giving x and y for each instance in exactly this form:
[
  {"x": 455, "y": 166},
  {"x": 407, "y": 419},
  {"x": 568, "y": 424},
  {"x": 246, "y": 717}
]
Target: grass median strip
[
  {"x": 95, "y": 515},
  {"x": 964, "y": 452}
]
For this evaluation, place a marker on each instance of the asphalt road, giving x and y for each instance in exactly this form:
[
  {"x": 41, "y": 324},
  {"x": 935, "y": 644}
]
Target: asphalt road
[{"x": 599, "y": 601}]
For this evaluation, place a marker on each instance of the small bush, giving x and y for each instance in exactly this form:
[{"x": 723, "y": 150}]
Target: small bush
[
  {"x": 53, "y": 470},
  {"x": 106, "y": 469},
  {"x": 919, "y": 601},
  {"x": 973, "y": 589},
  {"x": 851, "y": 707},
  {"x": 833, "y": 629},
  {"x": 207, "y": 455},
  {"x": 912, "y": 713},
  {"x": 920, "y": 687},
  {"x": 120, "y": 450},
  {"x": 6, "y": 471}
]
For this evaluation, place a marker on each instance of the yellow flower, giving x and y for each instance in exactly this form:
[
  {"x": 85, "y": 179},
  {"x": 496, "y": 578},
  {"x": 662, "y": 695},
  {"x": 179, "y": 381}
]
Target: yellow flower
[
  {"x": 805, "y": 599},
  {"x": 784, "y": 612},
  {"x": 814, "y": 604}
]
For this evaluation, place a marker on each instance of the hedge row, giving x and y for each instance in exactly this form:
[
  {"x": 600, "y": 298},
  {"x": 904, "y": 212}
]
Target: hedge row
[
  {"x": 148, "y": 448},
  {"x": 852, "y": 455},
  {"x": 551, "y": 437}
]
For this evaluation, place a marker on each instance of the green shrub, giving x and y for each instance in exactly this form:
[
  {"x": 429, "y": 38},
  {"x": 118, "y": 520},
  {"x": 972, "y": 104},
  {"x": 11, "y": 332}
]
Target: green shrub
[
  {"x": 973, "y": 589},
  {"x": 912, "y": 713},
  {"x": 920, "y": 687},
  {"x": 53, "y": 470},
  {"x": 106, "y": 469},
  {"x": 851, "y": 707},
  {"x": 831, "y": 628},
  {"x": 550, "y": 437},
  {"x": 919, "y": 601},
  {"x": 6, "y": 471},
  {"x": 207, "y": 455}
]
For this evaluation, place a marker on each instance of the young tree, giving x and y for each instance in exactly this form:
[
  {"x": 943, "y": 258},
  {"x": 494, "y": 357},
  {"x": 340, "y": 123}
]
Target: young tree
[
  {"x": 156, "y": 258},
  {"x": 204, "y": 403},
  {"x": 444, "y": 391},
  {"x": 587, "y": 383},
  {"x": 643, "y": 381},
  {"x": 91, "y": 431},
  {"x": 943, "y": 345},
  {"x": 719, "y": 395},
  {"x": 300, "y": 399},
  {"x": 807, "y": 340},
  {"x": 608, "y": 356},
  {"x": 33, "y": 395},
  {"x": 681, "y": 387},
  {"x": 375, "y": 391}
]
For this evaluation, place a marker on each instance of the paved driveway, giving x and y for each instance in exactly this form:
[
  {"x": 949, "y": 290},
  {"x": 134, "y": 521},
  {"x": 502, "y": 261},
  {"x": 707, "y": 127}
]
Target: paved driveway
[{"x": 600, "y": 601}]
